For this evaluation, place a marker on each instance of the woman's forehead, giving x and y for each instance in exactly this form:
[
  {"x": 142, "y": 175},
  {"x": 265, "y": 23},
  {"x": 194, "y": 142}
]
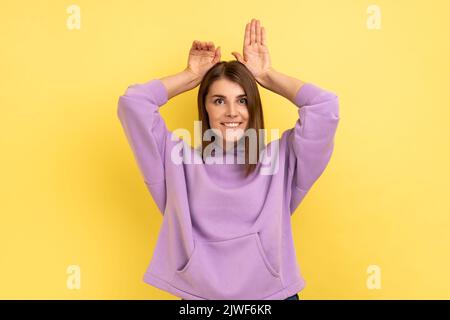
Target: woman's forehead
[{"x": 226, "y": 88}]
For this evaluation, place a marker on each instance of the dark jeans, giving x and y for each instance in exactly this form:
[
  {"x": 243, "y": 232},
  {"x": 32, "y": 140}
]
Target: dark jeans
[{"x": 294, "y": 297}]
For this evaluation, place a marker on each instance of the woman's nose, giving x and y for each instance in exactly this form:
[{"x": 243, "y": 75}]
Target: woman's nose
[{"x": 232, "y": 110}]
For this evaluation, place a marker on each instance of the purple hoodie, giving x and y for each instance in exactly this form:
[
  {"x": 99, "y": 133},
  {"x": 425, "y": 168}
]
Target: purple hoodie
[{"x": 224, "y": 236}]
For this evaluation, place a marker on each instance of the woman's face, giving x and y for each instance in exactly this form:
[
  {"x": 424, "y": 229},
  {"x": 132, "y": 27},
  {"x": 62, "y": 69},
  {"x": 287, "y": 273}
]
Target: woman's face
[{"x": 226, "y": 105}]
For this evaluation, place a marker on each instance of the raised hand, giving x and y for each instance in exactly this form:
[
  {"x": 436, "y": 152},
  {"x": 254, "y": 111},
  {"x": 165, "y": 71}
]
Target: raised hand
[
  {"x": 202, "y": 57},
  {"x": 256, "y": 54}
]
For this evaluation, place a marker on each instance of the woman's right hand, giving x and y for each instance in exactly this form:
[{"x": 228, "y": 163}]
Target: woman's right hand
[{"x": 202, "y": 57}]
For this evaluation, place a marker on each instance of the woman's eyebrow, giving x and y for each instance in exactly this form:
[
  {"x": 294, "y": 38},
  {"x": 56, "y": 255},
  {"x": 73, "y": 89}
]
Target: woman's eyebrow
[{"x": 221, "y": 96}]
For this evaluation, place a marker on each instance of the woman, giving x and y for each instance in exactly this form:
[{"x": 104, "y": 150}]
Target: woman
[{"x": 226, "y": 231}]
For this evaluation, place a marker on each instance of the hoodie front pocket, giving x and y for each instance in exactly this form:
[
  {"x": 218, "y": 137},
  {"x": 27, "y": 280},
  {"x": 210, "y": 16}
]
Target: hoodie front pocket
[{"x": 228, "y": 269}]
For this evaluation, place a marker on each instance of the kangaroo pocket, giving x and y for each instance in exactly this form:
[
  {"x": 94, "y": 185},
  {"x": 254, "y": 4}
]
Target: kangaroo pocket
[{"x": 228, "y": 269}]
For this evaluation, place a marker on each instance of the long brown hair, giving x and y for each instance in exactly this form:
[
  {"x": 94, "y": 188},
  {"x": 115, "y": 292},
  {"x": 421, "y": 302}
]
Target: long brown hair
[{"x": 237, "y": 72}]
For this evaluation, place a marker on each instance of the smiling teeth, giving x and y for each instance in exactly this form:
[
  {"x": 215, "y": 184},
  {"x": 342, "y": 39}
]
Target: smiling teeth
[{"x": 231, "y": 125}]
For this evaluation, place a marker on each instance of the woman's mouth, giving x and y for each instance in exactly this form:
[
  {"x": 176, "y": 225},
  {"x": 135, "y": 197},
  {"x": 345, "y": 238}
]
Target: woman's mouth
[{"x": 231, "y": 124}]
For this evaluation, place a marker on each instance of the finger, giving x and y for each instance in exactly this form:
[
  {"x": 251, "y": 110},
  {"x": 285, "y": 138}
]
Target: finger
[
  {"x": 253, "y": 32},
  {"x": 258, "y": 32},
  {"x": 211, "y": 46},
  {"x": 197, "y": 45},
  {"x": 247, "y": 35},
  {"x": 263, "y": 36}
]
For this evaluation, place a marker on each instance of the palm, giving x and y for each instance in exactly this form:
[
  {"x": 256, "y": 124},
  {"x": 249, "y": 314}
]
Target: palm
[
  {"x": 256, "y": 54},
  {"x": 202, "y": 56},
  {"x": 257, "y": 58}
]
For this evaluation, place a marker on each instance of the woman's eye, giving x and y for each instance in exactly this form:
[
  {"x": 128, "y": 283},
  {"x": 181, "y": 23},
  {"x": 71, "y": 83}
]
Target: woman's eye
[{"x": 220, "y": 99}]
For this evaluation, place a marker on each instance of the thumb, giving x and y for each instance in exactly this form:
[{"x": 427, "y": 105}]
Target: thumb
[
  {"x": 238, "y": 56},
  {"x": 217, "y": 55}
]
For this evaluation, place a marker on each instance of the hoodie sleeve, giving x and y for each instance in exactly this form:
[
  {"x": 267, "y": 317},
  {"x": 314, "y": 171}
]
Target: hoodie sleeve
[
  {"x": 311, "y": 141},
  {"x": 146, "y": 132}
]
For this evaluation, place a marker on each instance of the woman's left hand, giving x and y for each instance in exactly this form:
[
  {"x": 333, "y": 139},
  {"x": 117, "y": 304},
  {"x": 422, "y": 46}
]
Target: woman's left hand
[{"x": 256, "y": 54}]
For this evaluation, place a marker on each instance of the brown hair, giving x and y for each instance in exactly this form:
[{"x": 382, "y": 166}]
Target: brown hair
[{"x": 237, "y": 72}]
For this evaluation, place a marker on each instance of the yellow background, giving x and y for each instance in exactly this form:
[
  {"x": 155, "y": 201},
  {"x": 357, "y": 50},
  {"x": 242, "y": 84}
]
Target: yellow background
[{"x": 71, "y": 192}]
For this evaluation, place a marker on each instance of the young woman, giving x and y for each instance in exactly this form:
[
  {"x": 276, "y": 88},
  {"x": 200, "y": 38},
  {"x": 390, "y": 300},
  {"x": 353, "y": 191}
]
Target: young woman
[{"x": 226, "y": 231}]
